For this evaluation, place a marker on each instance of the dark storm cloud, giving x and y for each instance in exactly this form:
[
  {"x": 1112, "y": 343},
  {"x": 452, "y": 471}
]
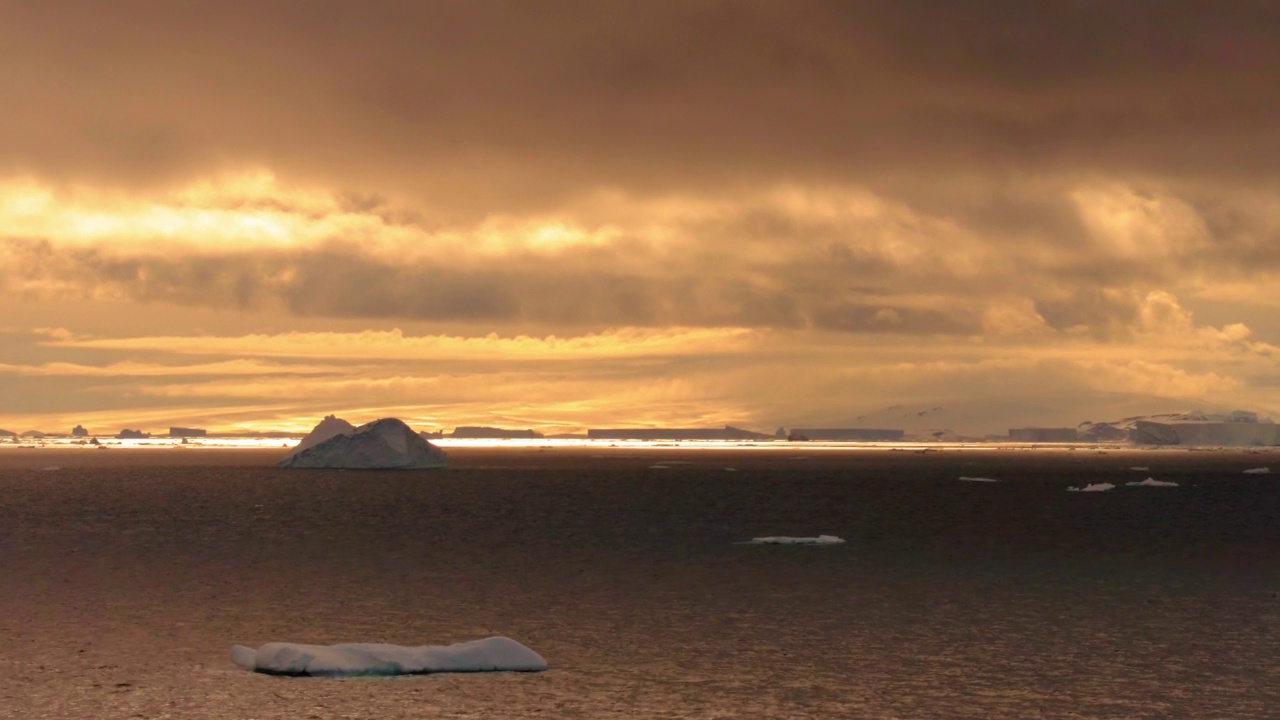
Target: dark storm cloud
[{"x": 474, "y": 106}]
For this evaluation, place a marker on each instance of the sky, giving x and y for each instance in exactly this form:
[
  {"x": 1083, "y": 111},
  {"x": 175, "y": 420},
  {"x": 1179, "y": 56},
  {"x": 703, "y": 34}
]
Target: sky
[{"x": 560, "y": 215}]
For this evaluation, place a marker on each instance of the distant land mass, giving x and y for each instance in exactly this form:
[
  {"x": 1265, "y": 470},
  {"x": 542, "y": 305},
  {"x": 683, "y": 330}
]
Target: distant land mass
[
  {"x": 728, "y": 432},
  {"x": 473, "y": 432},
  {"x": 962, "y": 422}
]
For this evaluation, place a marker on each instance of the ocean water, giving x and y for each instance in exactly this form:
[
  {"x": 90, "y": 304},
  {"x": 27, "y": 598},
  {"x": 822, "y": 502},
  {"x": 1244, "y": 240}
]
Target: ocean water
[{"x": 126, "y": 576}]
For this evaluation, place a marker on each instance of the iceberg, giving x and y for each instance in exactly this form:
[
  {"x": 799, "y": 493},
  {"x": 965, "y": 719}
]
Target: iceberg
[
  {"x": 784, "y": 540},
  {"x": 1092, "y": 487},
  {"x": 386, "y": 444},
  {"x": 1152, "y": 482},
  {"x": 329, "y": 427},
  {"x": 491, "y": 654}
]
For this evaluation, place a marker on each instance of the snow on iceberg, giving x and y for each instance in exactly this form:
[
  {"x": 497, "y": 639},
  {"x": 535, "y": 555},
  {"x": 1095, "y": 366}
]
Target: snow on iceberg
[
  {"x": 325, "y": 429},
  {"x": 386, "y": 444},
  {"x": 1093, "y": 487},
  {"x": 491, "y": 654},
  {"x": 964, "y": 478},
  {"x": 1258, "y": 471},
  {"x": 784, "y": 540},
  {"x": 1152, "y": 482}
]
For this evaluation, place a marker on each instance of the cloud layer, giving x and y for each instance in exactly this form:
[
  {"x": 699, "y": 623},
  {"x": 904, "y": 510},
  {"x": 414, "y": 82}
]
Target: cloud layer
[{"x": 686, "y": 211}]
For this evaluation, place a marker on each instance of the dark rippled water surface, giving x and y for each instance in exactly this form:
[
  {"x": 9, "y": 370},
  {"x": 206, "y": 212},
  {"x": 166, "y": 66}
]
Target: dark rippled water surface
[{"x": 125, "y": 577}]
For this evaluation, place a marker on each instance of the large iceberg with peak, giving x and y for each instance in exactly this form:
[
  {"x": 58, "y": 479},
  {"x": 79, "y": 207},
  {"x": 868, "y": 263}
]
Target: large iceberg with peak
[
  {"x": 386, "y": 444},
  {"x": 487, "y": 655},
  {"x": 330, "y": 426}
]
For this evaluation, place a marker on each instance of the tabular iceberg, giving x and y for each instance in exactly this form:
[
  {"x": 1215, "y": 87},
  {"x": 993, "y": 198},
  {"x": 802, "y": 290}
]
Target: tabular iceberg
[
  {"x": 386, "y": 444},
  {"x": 349, "y": 659}
]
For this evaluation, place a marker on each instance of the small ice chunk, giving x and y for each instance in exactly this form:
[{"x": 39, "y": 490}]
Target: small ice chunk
[
  {"x": 348, "y": 659},
  {"x": 977, "y": 479},
  {"x": 1092, "y": 487},
  {"x": 659, "y": 466},
  {"x": 1152, "y": 482},
  {"x": 1258, "y": 471},
  {"x": 728, "y": 469},
  {"x": 1140, "y": 468},
  {"x": 784, "y": 540}
]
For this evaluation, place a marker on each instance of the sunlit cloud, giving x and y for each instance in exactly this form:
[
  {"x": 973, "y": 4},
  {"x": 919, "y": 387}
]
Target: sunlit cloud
[
  {"x": 394, "y": 344},
  {"x": 139, "y": 369},
  {"x": 690, "y": 214}
]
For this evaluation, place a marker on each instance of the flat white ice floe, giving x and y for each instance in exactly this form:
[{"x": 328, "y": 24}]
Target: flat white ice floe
[
  {"x": 1140, "y": 468},
  {"x": 1152, "y": 482},
  {"x": 493, "y": 654},
  {"x": 1092, "y": 487},
  {"x": 965, "y": 478},
  {"x": 784, "y": 540},
  {"x": 1258, "y": 471}
]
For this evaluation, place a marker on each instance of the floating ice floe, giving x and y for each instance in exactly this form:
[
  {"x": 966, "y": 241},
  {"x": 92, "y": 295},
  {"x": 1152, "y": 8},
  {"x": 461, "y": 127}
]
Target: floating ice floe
[
  {"x": 728, "y": 469},
  {"x": 1258, "y": 471},
  {"x": 784, "y": 540},
  {"x": 965, "y": 478},
  {"x": 1140, "y": 468},
  {"x": 1152, "y": 482},
  {"x": 386, "y": 444},
  {"x": 1093, "y": 487},
  {"x": 492, "y": 654}
]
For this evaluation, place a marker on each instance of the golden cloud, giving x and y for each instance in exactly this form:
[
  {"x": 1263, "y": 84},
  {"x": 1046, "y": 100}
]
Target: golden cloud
[{"x": 395, "y": 345}]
